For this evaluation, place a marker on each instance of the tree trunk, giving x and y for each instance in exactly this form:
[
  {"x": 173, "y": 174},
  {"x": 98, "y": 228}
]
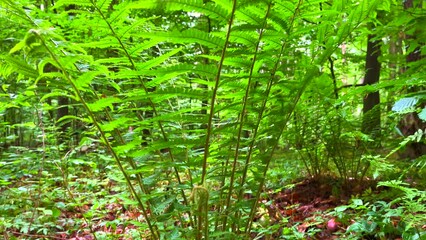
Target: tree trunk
[
  {"x": 411, "y": 122},
  {"x": 371, "y": 102}
]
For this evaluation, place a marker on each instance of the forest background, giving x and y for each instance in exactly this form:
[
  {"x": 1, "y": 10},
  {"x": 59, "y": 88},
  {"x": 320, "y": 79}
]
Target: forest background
[{"x": 197, "y": 119}]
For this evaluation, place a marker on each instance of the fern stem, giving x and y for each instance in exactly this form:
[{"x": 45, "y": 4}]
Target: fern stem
[
  {"x": 270, "y": 83},
  {"x": 253, "y": 208},
  {"x": 92, "y": 116},
  {"x": 108, "y": 115},
  {"x": 214, "y": 95},
  {"x": 150, "y": 102},
  {"x": 222, "y": 187},
  {"x": 241, "y": 124},
  {"x": 311, "y": 73}
]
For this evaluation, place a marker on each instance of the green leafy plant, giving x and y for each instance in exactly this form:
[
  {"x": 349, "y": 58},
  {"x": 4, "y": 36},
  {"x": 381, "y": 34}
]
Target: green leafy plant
[
  {"x": 384, "y": 219},
  {"x": 175, "y": 110}
]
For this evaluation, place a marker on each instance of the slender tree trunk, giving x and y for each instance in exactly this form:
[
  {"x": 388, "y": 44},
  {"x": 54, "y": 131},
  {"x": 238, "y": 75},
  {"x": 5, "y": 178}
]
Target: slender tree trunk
[{"x": 371, "y": 102}]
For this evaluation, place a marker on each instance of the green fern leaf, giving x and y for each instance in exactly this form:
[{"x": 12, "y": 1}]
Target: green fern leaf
[
  {"x": 362, "y": 11},
  {"x": 203, "y": 38},
  {"x": 108, "y": 42},
  {"x": 230, "y": 61},
  {"x": 72, "y": 117},
  {"x": 21, "y": 67},
  {"x": 247, "y": 38},
  {"x": 187, "y": 36},
  {"x": 134, "y": 27},
  {"x": 115, "y": 124},
  {"x": 404, "y": 104},
  {"x": 80, "y": 3},
  {"x": 278, "y": 22},
  {"x": 156, "y": 61},
  {"x": 83, "y": 81},
  {"x": 209, "y": 9},
  {"x": 50, "y": 75},
  {"x": 201, "y": 70},
  {"x": 57, "y": 94},
  {"x": 145, "y": 4},
  {"x": 103, "y": 103},
  {"x": 251, "y": 14},
  {"x": 121, "y": 13},
  {"x": 135, "y": 50},
  {"x": 113, "y": 61},
  {"x": 18, "y": 47},
  {"x": 183, "y": 92},
  {"x": 162, "y": 79},
  {"x": 103, "y": 5}
]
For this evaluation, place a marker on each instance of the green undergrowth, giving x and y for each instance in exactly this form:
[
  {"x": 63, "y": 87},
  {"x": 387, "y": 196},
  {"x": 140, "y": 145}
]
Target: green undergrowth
[{"x": 93, "y": 199}]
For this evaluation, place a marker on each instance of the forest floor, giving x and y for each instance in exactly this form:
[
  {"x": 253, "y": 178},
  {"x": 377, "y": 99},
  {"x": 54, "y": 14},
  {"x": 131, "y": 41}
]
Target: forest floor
[
  {"x": 304, "y": 205},
  {"x": 307, "y": 204}
]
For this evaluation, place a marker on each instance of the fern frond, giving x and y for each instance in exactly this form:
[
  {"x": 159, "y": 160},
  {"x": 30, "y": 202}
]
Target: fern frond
[
  {"x": 249, "y": 39},
  {"x": 176, "y": 116},
  {"x": 230, "y": 61},
  {"x": 272, "y": 40},
  {"x": 103, "y": 103},
  {"x": 103, "y": 5},
  {"x": 121, "y": 12},
  {"x": 79, "y": 3},
  {"x": 50, "y": 75},
  {"x": 359, "y": 13},
  {"x": 161, "y": 96},
  {"x": 175, "y": 70},
  {"x": 116, "y": 124},
  {"x": 83, "y": 81},
  {"x": 21, "y": 67},
  {"x": 187, "y": 93},
  {"x": 135, "y": 50},
  {"x": 277, "y": 21},
  {"x": 162, "y": 79},
  {"x": 145, "y": 4},
  {"x": 72, "y": 117},
  {"x": 123, "y": 74},
  {"x": 225, "y": 4},
  {"x": 251, "y": 14},
  {"x": 158, "y": 60},
  {"x": 57, "y": 94},
  {"x": 187, "y": 36},
  {"x": 127, "y": 31},
  {"x": 113, "y": 61},
  {"x": 209, "y": 9},
  {"x": 107, "y": 42}
]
